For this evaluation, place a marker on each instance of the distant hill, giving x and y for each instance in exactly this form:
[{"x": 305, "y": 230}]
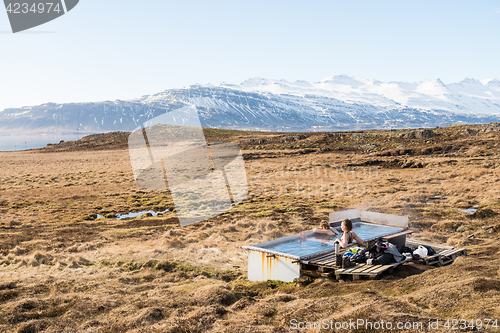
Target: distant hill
[{"x": 379, "y": 142}]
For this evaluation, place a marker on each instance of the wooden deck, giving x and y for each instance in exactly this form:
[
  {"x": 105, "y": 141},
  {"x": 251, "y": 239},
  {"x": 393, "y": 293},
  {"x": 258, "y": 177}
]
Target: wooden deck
[
  {"x": 323, "y": 261},
  {"x": 324, "y": 265},
  {"x": 363, "y": 270}
]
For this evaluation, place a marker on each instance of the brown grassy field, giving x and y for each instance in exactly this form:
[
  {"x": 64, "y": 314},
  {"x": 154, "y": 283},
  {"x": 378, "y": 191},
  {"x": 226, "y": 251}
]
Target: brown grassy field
[{"x": 64, "y": 269}]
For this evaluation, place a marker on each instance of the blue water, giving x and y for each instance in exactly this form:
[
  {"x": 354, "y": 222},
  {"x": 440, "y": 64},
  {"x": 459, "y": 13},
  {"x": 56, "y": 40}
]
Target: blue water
[
  {"x": 23, "y": 142},
  {"x": 372, "y": 231},
  {"x": 469, "y": 210},
  {"x": 299, "y": 247},
  {"x": 138, "y": 214},
  {"x": 320, "y": 242}
]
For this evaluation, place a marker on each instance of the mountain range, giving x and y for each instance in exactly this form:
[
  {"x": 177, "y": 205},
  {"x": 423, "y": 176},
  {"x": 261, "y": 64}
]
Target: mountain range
[{"x": 340, "y": 102}]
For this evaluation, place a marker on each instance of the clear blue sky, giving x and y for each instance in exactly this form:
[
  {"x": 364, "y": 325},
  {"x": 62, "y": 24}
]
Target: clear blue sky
[{"x": 110, "y": 49}]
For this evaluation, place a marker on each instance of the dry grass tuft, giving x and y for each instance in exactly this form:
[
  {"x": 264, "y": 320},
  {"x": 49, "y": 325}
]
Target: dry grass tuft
[
  {"x": 214, "y": 294},
  {"x": 173, "y": 242}
]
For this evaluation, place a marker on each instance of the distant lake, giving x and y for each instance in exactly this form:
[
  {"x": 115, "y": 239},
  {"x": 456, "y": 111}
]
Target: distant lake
[{"x": 31, "y": 141}]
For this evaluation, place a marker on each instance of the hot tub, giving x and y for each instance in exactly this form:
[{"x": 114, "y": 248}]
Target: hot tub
[{"x": 280, "y": 259}]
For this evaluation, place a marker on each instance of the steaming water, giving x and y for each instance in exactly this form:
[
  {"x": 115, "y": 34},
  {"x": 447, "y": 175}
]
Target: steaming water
[{"x": 320, "y": 242}]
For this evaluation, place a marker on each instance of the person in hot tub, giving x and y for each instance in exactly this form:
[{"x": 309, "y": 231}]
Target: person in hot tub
[
  {"x": 349, "y": 236},
  {"x": 324, "y": 229}
]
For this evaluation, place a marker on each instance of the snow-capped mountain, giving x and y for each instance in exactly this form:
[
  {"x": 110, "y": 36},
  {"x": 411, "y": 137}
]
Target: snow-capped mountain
[
  {"x": 338, "y": 102},
  {"x": 466, "y": 96}
]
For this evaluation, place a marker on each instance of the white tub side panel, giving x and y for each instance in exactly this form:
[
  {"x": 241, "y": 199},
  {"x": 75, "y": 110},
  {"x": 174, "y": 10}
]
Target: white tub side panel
[
  {"x": 385, "y": 219},
  {"x": 345, "y": 214},
  {"x": 261, "y": 268}
]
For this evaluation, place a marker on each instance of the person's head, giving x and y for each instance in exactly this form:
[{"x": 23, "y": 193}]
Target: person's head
[
  {"x": 324, "y": 225},
  {"x": 347, "y": 225}
]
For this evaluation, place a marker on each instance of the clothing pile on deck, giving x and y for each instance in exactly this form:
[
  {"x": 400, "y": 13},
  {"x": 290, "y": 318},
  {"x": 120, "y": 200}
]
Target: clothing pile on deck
[{"x": 383, "y": 253}]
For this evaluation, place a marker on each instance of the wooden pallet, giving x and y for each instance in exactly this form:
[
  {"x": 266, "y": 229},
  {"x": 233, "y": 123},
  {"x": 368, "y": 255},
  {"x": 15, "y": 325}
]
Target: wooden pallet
[
  {"x": 448, "y": 256},
  {"x": 325, "y": 260},
  {"x": 430, "y": 260},
  {"x": 443, "y": 254},
  {"x": 324, "y": 265},
  {"x": 370, "y": 271}
]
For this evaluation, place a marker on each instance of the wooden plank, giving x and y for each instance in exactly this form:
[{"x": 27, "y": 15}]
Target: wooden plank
[
  {"x": 380, "y": 270},
  {"x": 384, "y": 268},
  {"x": 445, "y": 261},
  {"x": 363, "y": 268},
  {"x": 446, "y": 257},
  {"x": 331, "y": 260},
  {"x": 366, "y": 269},
  {"x": 317, "y": 259},
  {"x": 330, "y": 263},
  {"x": 353, "y": 270},
  {"x": 457, "y": 251},
  {"x": 324, "y": 269},
  {"x": 406, "y": 232},
  {"x": 434, "y": 262},
  {"x": 323, "y": 263},
  {"x": 417, "y": 242},
  {"x": 369, "y": 270},
  {"x": 357, "y": 267},
  {"x": 329, "y": 274},
  {"x": 313, "y": 274},
  {"x": 324, "y": 260},
  {"x": 388, "y": 266},
  {"x": 430, "y": 260},
  {"x": 431, "y": 256},
  {"x": 311, "y": 260},
  {"x": 320, "y": 257},
  {"x": 346, "y": 270},
  {"x": 451, "y": 255},
  {"x": 446, "y": 252}
]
